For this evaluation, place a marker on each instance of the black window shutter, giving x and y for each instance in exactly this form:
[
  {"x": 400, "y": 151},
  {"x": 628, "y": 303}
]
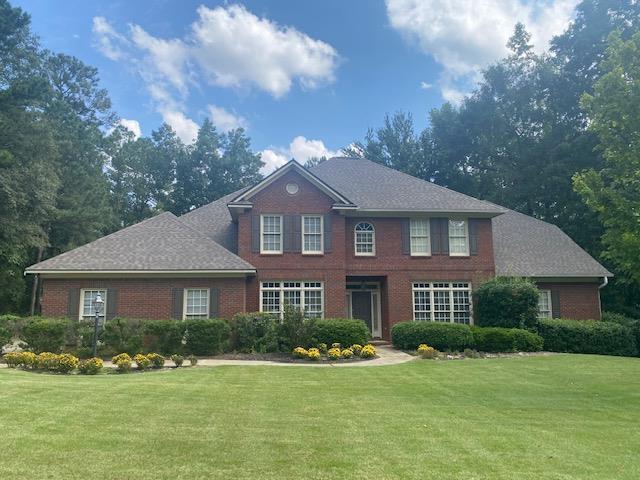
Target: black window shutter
[
  {"x": 176, "y": 303},
  {"x": 287, "y": 233},
  {"x": 434, "y": 227},
  {"x": 73, "y": 303},
  {"x": 328, "y": 233},
  {"x": 214, "y": 296},
  {"x": 444, "y": 236},
  {"x": 473, "y": 236},
  {"x": 555, "y": 303},
  {"x": 296, "y": 233},
  {"x": 112, "y": 303},
  {"x": 406, "y": 235},
  {"x": 255, "y": 234}
]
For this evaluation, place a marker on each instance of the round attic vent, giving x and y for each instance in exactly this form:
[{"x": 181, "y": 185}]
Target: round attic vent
[{"x": 292, "y": 188}]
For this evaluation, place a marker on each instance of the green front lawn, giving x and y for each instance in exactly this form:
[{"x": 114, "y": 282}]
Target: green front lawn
[{"x": 555, "y": 417}]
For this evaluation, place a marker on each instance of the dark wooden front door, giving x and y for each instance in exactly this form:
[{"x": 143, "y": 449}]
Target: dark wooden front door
[{"x": 361, "y": 307}]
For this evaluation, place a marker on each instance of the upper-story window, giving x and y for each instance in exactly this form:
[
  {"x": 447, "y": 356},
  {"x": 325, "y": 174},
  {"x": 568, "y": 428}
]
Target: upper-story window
[
  {"x": 365, "y": 239},
  {"x": 312, "y": 234},
  {"x": 271, "y": 234},
  {"x": 458, "y": 237},
  {"x": 420, "y": 241}
]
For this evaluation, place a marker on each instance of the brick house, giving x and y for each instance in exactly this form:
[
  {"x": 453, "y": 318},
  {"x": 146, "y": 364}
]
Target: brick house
[{"x": 348, "y": 237}]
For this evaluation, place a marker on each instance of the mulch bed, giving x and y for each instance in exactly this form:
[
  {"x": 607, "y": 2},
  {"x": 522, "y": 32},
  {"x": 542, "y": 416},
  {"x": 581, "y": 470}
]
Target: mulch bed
[{"x": 282, "y": 358}]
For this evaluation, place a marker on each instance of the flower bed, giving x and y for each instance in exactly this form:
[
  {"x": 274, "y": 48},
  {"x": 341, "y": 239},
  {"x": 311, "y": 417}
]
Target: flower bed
[{"x": 334, "y": 354}]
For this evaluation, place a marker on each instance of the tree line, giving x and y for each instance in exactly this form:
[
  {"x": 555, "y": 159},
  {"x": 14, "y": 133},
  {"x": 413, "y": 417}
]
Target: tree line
[{"x": 553, "y": 135}]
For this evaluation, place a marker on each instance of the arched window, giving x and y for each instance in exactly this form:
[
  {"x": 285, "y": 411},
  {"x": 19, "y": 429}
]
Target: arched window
[{"x": 365, "y": 239}]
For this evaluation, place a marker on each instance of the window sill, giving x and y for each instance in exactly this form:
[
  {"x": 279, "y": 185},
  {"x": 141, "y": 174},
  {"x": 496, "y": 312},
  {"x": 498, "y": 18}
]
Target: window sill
[
  {"x": 313, "y": 254},
  {"x": 271, "y": 254}
]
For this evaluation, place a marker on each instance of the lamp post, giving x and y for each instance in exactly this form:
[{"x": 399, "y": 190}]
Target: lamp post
[{"x": 98, "y": 303}]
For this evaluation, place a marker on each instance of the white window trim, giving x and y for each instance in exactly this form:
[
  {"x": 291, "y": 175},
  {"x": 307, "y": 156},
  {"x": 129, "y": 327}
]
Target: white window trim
[
  {"x": 428, "y": 252},
  {"x": 81, "y": 315},
  {"x": 184, "y": 300},
  {"x": 302, "y": 289},
  {"x": 372, "y": 253},
  {"x": 431, "y": 289},
  {"x": 547, "y": 293},
  {"x": 302, "y": 234},
  {"x": 271, "y": 252},
  {"x": 466, "y": 237}
]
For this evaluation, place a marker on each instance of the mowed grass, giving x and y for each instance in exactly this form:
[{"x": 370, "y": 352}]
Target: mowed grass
[{"x": 554, "y": 417}]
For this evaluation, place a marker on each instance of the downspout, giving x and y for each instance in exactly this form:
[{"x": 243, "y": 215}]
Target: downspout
[{"x": 605, "y": 282}]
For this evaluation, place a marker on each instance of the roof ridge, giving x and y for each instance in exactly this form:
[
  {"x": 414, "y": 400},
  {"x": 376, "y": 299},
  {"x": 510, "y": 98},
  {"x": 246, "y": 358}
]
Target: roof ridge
[{"x": 412, "y": 177}]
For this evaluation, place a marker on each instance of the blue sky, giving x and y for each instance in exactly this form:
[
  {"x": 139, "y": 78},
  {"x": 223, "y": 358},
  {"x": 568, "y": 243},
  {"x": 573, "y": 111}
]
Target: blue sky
[{"x": 304, "y": 78}]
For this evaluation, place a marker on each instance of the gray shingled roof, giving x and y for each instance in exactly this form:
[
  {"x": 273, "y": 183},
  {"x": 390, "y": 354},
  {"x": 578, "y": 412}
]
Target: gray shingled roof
[
  {"x": 525, "y": 246},
  {"x": 214, "y": 221},
  {"x": 372, "y": 186},
  {"x": 160, "y": 243}
]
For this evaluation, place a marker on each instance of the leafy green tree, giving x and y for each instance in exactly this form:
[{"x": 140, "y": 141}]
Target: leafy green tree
[{"x": 613, "y": 191}]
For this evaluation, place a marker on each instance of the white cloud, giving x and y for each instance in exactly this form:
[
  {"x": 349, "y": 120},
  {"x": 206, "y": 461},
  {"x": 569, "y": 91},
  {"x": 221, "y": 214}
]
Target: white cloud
[
  {"x": 109, "y": 42},
  {"x": 426, "y": 86},
  {"x": 184, "y": 127},
  {"x": 300, "y": 149},
  {"x": 236, "y": 48},
  {"x": 464, "y": 36},
  {"x": 224, "y": 120},
  {"x": 132, "y": 125}
]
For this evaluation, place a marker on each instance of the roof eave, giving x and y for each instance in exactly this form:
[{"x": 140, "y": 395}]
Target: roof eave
[{"x": 102, "y": 273}]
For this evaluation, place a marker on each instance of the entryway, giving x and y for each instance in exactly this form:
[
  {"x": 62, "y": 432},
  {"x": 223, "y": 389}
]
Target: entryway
[{"x": 363, "y": 302}]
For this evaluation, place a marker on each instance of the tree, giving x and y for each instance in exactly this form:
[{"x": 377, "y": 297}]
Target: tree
[{"x": 613, "y": 192}]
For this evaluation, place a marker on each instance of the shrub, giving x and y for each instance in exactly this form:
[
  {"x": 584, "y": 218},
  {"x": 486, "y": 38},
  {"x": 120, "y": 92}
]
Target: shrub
[
  {"x": 497, "y": 339},
  {"x": 334, "y": 353},
  {"x": 300, "y": 352},
  {"x": 442, "y": 336},
  {"x": 507, "y": 302},
  {"x": 84, "y": 338},
  {"x": 13, "y": 324},
  {"x": 206, "y": 337},
  {"x": 46, "y": 361},
  {"x": 632, "y": 323},
  {"x": 45, "y": 334},
  {"x": 90, "y": 366},
  {"x": 163, "y": 336},
  {"x": 425, "y": 351},
  {"x": 193, "y": 360},
  {"x": 356, "y": 348},
  {"x": 368, "y": 351},
  {"x": 313, "y": 354},
  {"x": 347, "y": 353},
  {"x": 177, "y": 360},
  {"x": 471, "y": 353},
  {"x": 255, "y": 332},
  {"x": 66, "y": 363},
  {"x": 295, "y": 329},
  {"x": 344, "y": 331},
  {"x": 5, "y": 336},
  {"x": 123, "y": 335},
  {"x": 157, "y": 360},
  {"x": 323, "y": 347},
  {"x": 13, "y": 359},
  {"x": 587, "y": 336},
  {"x": 122, "y": 362},
  {"x": 142, "y": 361}
]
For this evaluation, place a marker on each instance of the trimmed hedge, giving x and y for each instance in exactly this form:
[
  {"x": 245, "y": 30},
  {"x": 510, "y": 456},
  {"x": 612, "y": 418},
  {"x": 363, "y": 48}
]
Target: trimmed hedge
[
  {"x": 254, "y": 332},
  {"x": 164, "y": 336},
  {"x": 442, "y": 336},
  {"x": 507, "y": 302},
  {"x": 206, "y": 337},
  {"x": 632, "y": 323},
  {"x": 45, "y": 334},
  {"x": 587, "y": 336},
  {"x": 497, "y": 339},
  {"x": 345, "y": 331}
]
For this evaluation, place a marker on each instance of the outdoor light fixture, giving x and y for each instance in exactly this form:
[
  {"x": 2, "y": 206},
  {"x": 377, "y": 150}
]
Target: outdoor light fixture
[{"x": 98, "y": 305}]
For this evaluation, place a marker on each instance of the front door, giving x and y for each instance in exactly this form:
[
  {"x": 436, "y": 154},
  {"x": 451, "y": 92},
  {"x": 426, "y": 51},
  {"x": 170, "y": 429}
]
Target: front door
[{"x": 361, "y": 307}]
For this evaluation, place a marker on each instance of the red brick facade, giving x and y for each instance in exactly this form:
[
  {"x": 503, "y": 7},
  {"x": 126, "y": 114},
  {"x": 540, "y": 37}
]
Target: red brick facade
[{"x": 393, "y": 269}]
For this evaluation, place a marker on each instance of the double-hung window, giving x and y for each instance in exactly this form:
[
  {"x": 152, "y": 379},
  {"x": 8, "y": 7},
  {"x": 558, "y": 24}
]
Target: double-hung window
[
  {"x": 87, "y": 303},
  {"x": 306, "y": 296},
  {"x": 312, "y": 234},
  {"x": 271, "y": 234},
  {"x": 196, "y": 303},
  {"x": 365, "y": 239},
  {"x": 544, "y": 304},
  {"x": 419, "y": 232},
  {"x": 442, "y": 302},
  {"x": 458, "y": 237}
]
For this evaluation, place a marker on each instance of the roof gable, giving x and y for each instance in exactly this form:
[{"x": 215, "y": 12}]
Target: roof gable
[{"x": 162, "y": 244}]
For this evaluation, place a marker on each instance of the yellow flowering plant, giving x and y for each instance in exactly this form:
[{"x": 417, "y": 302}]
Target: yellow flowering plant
[
  {"x": 142, "y": 361},
  {"x": 91, "y": 366},
  {"x": 356, "y": 348},
  {"x": 157, "y": 360},
  {"x": 300, "y": 352},
  {"x": 425, "y": 351},
  {"x": 368, "y": 351},
  {"x": 122, "y": 362},
  {"x": 347, "y": 353},
  {"x": 313, "y": 354},
  {"x": 334, "y": 354}
]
